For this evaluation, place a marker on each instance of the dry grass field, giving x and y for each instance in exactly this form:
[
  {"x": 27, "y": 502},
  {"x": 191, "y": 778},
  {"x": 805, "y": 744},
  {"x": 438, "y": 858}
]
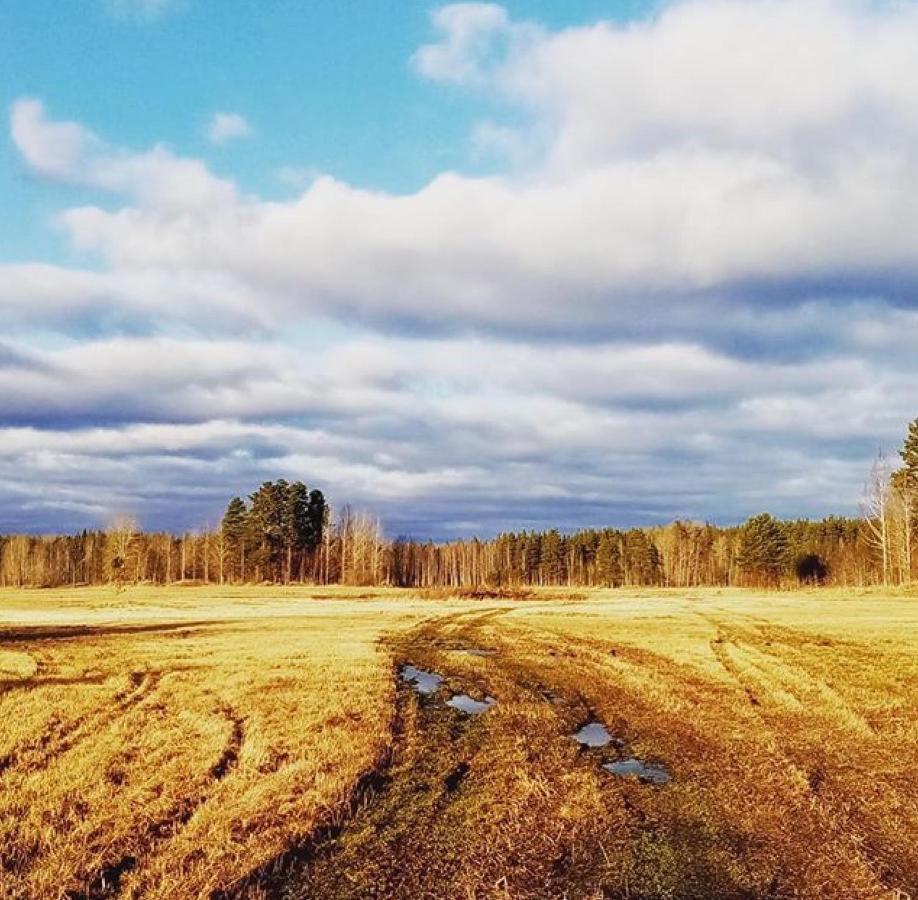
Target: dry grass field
[{"x": 211, "y": 743}]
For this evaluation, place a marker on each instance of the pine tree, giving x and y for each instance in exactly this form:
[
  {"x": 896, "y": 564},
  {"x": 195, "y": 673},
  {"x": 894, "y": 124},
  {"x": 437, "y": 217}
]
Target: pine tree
[
  {"x": 317, "y": 515},
  {"x": 234, "y": 526},
  {"x": 641, "y": 558},
  {"x": 532, "y": 557},
  {"x": 296, "y": 523},
  {"x": 909, "y": 451},
  {"x": 609, "y": 560},
  {"x": 266, "y": 527},
  {"x": 553, "y": 562},
  {"x": 905, "y": 485},
  {"x": 763, "y": 549}
]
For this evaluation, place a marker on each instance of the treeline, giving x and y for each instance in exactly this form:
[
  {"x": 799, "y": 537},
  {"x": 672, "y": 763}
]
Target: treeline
[
  {"x": 351, "y": 550},
  {"x": 286, "y": 533},
  {"x": 763, "y": 552}
]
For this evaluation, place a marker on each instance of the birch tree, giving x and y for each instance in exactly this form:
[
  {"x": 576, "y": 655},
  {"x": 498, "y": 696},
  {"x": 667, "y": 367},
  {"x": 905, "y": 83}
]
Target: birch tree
[{"x": 876, "y": 507}]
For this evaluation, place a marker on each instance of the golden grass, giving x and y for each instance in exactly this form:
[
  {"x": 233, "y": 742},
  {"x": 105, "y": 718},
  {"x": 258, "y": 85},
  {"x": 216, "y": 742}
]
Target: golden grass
[{"x": 199, "y": 743}]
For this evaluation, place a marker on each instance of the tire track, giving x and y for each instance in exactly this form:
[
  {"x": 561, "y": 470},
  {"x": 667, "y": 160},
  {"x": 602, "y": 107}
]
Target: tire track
[
  {"x": 272, "y": 878},
  {"x": 814, "y": 777},
  {"x": 38, "y": 753},
  {"x": 473, "y": 803},
  {"x": 109, "y": 882}
]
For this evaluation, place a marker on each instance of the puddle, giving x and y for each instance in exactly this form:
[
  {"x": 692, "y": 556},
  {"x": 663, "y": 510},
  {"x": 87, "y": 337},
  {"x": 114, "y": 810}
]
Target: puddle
[
  {"x": 470, "y": 706},
  {"x": 428, "y": 683},
  {"x": 649, "y": 773},
  {"x": 594, "y": 734},
  {"x": 423, "y": 682}
]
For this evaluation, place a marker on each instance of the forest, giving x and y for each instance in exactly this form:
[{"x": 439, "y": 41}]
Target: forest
[{"x": 284, "y": 533}]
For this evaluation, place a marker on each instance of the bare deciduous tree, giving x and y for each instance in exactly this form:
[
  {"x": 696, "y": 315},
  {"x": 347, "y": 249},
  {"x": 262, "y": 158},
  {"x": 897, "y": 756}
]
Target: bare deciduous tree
[
  {"x": 120, "y": 538},
  {"x": 877, "y": 510}
]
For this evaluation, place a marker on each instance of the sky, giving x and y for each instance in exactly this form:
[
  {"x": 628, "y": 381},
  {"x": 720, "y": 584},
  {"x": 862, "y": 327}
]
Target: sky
[{"x": 469, "y": 267}]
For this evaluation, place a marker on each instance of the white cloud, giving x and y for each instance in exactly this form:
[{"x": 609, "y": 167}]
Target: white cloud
[
  {"x": 544, "y": 398},
  {"x": 797, "y": 78},
  {"x": 411, "y": 430},
  {"x": 502, "y": 142},
  {"x": 36, "y": 295},
  {"x": 157, "y": 179},
  {"x": 224, "y": 127},
  {"x": 499, "y": 252},
  {"x": 468, "y": 31},
  {"x": 55, "y": 150},
  {"x": 298, "y": 177},
  {"x": 720, "y": 144}
]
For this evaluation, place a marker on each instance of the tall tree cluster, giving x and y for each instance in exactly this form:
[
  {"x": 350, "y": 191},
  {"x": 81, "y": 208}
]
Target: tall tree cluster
[{"x": 275, "y": 536}]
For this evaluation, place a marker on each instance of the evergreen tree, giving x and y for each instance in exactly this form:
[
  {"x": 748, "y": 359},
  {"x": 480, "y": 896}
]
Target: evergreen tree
[
  {"x": 905, "y": 485},
  {"x": 316, "y": 515},
  {"x": 642, "y": 558},
  {"x": 909, "y": 451},
  {"x": 296, "y": 522},
  {"x": 266, "y": 527},
  {"x": 553, "y": 561},
  {"x": 609, "y": 560},
  {"x": 234, "y": 526},
  {"x": 532, "y": 557},
  {"x": 763, "y": 549}
]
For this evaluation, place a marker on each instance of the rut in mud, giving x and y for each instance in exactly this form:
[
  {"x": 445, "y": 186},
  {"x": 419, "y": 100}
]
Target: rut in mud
[{"x": 502, "y": 802}]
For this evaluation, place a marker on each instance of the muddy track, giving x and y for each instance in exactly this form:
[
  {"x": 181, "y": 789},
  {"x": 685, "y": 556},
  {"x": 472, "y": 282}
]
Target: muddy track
[
  {"x": 272, "y": 878},
  {"x": 287, "y": 874},
  {"x": 107, "y": 883},
  {"x": 445, "y": 823},
  {"x": 230, "y": 756},
  {"x": 450, "y": 813}
]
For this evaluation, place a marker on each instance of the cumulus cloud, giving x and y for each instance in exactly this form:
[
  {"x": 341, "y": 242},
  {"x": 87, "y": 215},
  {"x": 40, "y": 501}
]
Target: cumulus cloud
[
  {"x": 792, "y": 78},
  {"x": 718, "y": 149},
  {"x": 39, "y": 295},
  {"x": 467, "y": 46},
  {"x": 158, "y": 180},
  {"x": 225, "y": 126}
]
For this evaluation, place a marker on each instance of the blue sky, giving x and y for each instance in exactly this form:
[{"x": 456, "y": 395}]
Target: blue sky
[
  {"x": 327, "y": 85},
  {"x": 470, "y": 267}
]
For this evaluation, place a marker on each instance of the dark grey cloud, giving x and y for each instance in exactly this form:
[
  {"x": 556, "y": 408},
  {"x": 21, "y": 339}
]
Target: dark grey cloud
[{"x": 437, "y": 435}]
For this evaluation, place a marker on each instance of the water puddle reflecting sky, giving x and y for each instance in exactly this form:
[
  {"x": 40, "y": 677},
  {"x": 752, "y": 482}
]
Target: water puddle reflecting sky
[
  {"x": 649, "y": 773},
  {"x": 423, "y": 682},
  {"x": 593, "y": 734},
  {"x": 470, "y": 706}
]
